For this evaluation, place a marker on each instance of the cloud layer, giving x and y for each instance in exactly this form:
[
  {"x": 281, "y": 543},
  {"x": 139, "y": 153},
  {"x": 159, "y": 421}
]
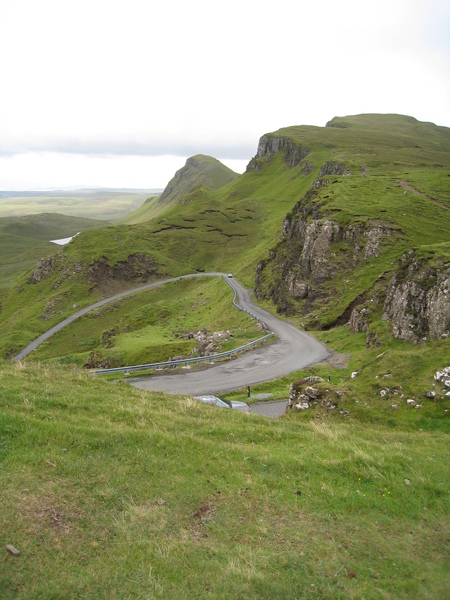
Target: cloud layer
[{"x": 133, "y": 78}]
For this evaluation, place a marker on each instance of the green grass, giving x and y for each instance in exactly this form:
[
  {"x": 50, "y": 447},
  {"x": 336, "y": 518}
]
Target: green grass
[
  {"x": 25, "y": 239},
  {"x": 102, "y": 205},
  {"x": 111, "y": 491},
  {"x": 150, "y": 326}
]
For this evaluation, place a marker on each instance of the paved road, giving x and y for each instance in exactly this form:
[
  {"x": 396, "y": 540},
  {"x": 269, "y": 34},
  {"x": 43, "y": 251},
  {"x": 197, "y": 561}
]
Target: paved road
[
  {"x": 35, "y": 343},
  {"x": 292, "y": 350}
]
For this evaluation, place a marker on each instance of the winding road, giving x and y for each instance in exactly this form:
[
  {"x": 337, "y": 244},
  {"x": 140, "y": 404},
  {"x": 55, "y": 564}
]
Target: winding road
[{"x": 292, "y": 350}]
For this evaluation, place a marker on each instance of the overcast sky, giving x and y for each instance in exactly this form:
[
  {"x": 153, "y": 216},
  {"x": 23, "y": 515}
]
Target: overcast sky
[{"x": 120, "y": 92}]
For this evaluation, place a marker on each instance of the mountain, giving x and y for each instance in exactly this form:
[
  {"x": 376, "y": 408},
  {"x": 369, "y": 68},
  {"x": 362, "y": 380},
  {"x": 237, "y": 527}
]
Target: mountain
[
  {"x": 200, "y": 170},
  {"x": 347, "y": 223}
]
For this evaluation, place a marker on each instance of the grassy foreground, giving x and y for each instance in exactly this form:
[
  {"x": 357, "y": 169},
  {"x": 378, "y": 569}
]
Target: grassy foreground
[{"x": 109, "y": 491}]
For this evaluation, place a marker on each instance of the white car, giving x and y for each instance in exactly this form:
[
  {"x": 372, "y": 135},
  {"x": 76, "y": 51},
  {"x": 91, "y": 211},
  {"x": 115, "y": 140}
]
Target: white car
[{"x": 222, "y": 403}]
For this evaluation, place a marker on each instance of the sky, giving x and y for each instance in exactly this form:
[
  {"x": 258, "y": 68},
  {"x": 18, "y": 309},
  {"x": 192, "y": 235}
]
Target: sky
[{"x": 119, "y": 93}]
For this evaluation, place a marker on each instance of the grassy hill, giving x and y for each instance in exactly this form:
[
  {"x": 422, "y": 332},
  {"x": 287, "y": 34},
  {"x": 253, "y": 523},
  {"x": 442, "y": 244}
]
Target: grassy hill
[
  {"x": 198, "y": 172},
  {"x": 25, "y": 239},
  {"x": 111, "y": 491},
  {"x": 358, "y": 172}
]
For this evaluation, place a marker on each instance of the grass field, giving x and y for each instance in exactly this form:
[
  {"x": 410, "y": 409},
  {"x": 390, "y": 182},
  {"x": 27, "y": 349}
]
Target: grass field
[
  {"x": 108, "y": 491},
  {"x": 25, "y": 239},
  {"x": 103, "y": 205},
  {"x": 151, "y": 326}
]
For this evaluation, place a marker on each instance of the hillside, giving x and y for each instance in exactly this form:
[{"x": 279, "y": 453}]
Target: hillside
[
  {"x": 108, "y": 491},
  {"x": 323, "y": 222},
  {"x": 25, "y": 239},
  {"x": 199, "y": 171}
]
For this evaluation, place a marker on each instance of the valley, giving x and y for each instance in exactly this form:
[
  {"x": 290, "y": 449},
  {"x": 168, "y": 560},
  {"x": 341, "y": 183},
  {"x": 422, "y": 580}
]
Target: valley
[{"x": 341, "y": 233}]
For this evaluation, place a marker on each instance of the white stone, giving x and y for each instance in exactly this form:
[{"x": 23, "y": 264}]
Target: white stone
[
  {"x": 354, "y": 374},
  {"x": 410, "y": 401}
]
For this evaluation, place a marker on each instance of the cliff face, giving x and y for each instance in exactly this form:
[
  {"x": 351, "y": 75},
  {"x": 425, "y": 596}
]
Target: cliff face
[
  {"x": 268, "y": 146},
  {"x": 418, "y": 300},
  {"x": 314, "y": 251}
]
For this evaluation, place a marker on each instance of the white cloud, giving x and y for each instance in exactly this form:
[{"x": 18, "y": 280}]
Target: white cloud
[{"x": 136, "y": 78}]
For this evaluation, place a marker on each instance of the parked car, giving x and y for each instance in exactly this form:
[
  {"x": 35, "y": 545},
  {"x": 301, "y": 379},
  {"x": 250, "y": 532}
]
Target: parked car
[
  {"x": 223, "y": 403},
  {"x": 230, "y": 275}
]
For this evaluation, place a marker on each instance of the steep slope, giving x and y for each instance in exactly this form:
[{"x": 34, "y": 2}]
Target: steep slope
[
  {"x": 321, "y": 218},
  {"x": 199, "y": 170},
  {"x": 379, "y": 198}
]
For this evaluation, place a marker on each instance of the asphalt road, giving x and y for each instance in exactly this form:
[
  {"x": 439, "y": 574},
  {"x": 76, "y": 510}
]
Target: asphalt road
[
  {"x": 35, "y": 343},
  {"x": 292, "y": 350}
]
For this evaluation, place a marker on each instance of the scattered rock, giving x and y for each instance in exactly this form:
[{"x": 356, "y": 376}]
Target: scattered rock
[
  {"x": 407, "y": 482},
  {"x": 12, "y": 550},
  {"x": 312, "y": 392},
  {"x": 411, "y": 401}
]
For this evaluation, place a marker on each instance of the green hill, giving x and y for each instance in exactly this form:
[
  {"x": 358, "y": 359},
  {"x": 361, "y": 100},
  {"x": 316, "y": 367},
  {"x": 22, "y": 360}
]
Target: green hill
[
  {"x": 25, "y": 239},
  {"x": 108, "y": 490},
  {"x": 200, "y": 170},
  {"x": 324, "y": 222}
]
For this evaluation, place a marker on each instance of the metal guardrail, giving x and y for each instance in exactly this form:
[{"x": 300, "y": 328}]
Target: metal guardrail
[
  {"x": 182, "y": 361},
  {"x": 185, "y": 361}
]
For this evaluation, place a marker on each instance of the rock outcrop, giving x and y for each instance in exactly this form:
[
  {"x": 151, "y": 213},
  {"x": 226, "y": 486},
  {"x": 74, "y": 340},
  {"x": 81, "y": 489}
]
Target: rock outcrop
[
  {"x": 418, "y": 300},
  {"x": 268, "y": 146},
  {"x": 315, "y": 250}
]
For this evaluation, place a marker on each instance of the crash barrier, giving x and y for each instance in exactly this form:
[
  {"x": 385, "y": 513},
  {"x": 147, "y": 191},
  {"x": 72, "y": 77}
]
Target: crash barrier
[
  {"x": 182, "y": 361},
  {"x": 241, "y": 308},
  {"x": 186, "y": 361}
]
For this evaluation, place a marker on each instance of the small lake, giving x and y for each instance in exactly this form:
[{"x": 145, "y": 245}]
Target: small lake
[{"x": 63, "y": 241}]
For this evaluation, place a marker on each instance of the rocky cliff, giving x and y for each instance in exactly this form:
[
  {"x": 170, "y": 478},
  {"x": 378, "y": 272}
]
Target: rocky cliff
[
  {"x": 418, "y": 299},
  {"x": 268, "y": 146},
  {"x": 315, "y": 249}
]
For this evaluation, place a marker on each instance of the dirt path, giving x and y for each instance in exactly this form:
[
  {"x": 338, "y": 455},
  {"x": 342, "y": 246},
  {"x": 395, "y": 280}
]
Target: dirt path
[{"x": 409, "y": 188}]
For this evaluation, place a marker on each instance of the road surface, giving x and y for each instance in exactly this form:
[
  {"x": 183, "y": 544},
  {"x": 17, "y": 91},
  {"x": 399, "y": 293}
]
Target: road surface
[{"x": 292, "y": 350}]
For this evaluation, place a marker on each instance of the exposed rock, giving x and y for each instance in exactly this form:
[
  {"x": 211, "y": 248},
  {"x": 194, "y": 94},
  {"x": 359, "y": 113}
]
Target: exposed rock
[
  {"x": 313, "y": 250},
  {"x": 359, "y": 320},
  {"x": 418, "y": 300},
  {"x": 333, "y": 168},
  {"x": 137, "y": 268},
  {"x": 207, "y": 344},
  {"x": 97, "y": 361},
  {"x": 302, "y": 395},
  {"x": 312, "y": 393},
  {"x": 268, "y": 146}
]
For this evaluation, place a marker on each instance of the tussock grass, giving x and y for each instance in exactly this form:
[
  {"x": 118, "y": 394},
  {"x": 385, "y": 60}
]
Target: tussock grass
[{"x": 108, "y": 490}]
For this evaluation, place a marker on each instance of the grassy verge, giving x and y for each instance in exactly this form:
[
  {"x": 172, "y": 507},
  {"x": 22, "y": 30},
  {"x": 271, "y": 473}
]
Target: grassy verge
[
  {"x": 108, "y": 491},
  {"x": 154, "y": 326}
]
